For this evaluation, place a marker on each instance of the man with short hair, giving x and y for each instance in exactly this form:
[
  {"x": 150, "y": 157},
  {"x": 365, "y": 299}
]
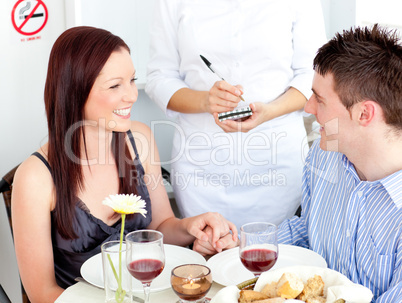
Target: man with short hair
[{"x": 352, "y": 179}]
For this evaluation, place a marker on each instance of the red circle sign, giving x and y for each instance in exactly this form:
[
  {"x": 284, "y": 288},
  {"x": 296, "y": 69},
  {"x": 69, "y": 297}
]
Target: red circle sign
[{"x": 29, "y": 17}]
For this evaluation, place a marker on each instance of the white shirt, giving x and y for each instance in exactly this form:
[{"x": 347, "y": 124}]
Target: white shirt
[{"x": 264, "y": 45}]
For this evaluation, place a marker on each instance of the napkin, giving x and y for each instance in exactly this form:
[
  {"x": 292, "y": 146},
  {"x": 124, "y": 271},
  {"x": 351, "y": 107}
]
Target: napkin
[{"x": 337, "y": 286}]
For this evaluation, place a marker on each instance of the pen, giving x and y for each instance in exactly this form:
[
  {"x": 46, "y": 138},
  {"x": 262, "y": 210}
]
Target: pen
[{"x": 209, "y": 65}]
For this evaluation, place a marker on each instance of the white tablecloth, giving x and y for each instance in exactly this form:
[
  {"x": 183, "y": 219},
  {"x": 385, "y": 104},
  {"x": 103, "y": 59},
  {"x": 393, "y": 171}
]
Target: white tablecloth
[{"x": 86, "y": 293}]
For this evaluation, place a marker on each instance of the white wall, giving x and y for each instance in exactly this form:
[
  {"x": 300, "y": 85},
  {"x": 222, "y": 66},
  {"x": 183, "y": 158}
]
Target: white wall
[
  {"x": 146, "y": 111},
  {"x": 384, "y": 12},
  {"x": 344, "y": 14},
  {"x": 23, "y": 67},
  {"x": 131, "y": 20}
]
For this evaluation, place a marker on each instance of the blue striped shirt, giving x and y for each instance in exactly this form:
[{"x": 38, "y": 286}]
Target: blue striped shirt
[{"x": 355, "y": 225}]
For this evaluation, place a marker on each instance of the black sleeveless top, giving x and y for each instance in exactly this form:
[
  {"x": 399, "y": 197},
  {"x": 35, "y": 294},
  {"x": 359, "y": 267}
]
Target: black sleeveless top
[{"x": 92, "y": 232}]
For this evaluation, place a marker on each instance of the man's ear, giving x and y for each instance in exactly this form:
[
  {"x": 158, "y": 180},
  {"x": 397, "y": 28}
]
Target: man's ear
[{"x": 367, "y": 112}]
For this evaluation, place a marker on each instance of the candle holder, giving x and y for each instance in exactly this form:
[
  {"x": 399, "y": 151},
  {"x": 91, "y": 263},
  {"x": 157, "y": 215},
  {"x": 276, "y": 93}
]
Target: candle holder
[{"x": 191, "y": 282}]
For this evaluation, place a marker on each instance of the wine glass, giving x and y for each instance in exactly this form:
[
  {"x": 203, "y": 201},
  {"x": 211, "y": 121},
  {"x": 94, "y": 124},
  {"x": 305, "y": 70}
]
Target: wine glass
[
  {"x": 191, "y": 282},
  {"x": 258, "y": 246},
  {"x": 145, "y": 257}
]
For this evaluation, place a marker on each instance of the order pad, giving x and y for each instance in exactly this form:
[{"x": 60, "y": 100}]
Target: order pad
[{"x": 235, "y": 114}]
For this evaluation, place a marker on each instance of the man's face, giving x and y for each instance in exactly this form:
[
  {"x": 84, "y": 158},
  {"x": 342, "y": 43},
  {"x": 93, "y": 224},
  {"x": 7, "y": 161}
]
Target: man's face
[{"x": 336, "y": 123}]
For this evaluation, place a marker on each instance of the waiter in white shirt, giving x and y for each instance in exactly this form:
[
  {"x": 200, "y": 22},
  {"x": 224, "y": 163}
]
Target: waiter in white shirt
[{"x": 246, "y": 170}]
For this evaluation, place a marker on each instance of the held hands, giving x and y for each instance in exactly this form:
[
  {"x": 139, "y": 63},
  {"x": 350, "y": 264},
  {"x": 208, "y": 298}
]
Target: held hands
[
  {"x": 223, "y": 97},
  {"x": 213, "y": 233},
  {"x": 205, "y": 248}
]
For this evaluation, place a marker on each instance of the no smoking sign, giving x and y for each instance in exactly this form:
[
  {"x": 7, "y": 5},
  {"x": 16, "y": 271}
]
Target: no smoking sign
[{"x": 29, "y": 17}]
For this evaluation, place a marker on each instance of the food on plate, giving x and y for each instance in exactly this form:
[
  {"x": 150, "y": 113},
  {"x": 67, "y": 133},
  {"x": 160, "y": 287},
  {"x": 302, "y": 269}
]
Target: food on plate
[
  {"x": 313, "y": 288},
  {"x": 272, "y": 300},
  {"x": 270, "y": 289},
  {"x": 316, "y": 300},
  {"x": 248, "y": 296},
  {"x": 289, "y": 286}
]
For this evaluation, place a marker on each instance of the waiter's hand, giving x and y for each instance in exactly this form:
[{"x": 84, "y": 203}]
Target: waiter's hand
[
  {"x": 223, "y": 97},
  {"x": 259, "y": 116}
]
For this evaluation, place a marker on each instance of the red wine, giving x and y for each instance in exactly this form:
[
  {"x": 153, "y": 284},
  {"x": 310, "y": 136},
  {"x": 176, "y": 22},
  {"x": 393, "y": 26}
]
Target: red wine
[
  {"x": 258, "y": 260},
  {"x": 145, "y": 270}
]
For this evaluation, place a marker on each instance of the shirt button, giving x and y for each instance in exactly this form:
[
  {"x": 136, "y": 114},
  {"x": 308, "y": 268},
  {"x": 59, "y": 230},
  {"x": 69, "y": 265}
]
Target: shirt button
[
  {"x": 237, "y": 64},
  {"x": 359, "y": 193}
]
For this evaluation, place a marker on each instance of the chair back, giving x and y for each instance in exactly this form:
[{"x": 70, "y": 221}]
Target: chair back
[
  {"x": 6, "y": 184},
  {"x": 6, "y": 187},
  {"x": 3, "y": 296}
]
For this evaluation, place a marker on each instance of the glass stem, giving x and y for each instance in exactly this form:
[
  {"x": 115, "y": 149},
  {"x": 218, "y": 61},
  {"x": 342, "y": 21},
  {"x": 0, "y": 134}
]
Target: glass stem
[{"x": 147, "y": 290}]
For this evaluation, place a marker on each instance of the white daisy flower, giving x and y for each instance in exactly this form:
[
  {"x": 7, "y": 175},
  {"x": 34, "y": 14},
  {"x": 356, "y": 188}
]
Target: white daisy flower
[{"x": 126, "y": 204}]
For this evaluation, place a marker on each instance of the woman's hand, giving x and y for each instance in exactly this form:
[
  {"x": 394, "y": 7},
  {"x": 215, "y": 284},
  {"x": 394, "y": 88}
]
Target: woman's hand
[
  {"x": 258, "y": 117},
  {"x": 223, "y": 97},
  {"x": 213, "y": 233}
]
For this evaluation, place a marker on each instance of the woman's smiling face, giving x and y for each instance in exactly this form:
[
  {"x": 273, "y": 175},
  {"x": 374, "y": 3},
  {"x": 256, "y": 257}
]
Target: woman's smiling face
[{"x": 113, "y": 94}]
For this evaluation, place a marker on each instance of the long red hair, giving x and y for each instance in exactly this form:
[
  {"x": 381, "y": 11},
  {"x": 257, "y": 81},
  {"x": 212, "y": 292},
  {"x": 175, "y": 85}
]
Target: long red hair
[{"x": 76, "y": 59}]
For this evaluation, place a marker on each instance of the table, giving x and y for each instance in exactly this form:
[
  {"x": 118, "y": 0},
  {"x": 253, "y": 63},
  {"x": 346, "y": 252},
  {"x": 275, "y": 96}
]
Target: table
[{"x": 85, "y": 292}]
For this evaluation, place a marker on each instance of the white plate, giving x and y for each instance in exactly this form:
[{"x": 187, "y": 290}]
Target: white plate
[
  {"x": 227, "y": 268},
  {"x": 92, "y": 272}
]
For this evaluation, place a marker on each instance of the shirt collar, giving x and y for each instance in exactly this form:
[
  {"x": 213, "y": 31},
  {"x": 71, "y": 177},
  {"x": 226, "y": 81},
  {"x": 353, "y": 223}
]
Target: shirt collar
[
  {"x": 391, "y": 183},
  {"x": 350, "y": 167}
]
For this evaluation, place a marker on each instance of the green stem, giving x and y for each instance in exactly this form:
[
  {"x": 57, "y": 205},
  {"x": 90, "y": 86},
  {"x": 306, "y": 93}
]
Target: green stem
[
  {"x": 120, "y": 293},
  {"x": 123, "y": 217},
  {"x": 111, "y": 265}
]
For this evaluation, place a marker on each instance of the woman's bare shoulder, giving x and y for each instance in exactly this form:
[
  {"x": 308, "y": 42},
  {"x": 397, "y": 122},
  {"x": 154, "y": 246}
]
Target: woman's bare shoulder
[
  {"x": 140, "y": 128},
  {"x": 143, "y": 135},
  {"x": 145, "y": 142},
  {"x": 33, "y": 179},
  {"x": 33, "y": 167}
]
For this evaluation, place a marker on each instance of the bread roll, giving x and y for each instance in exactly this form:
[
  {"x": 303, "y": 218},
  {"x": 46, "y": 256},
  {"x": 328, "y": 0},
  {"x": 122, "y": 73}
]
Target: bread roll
[
  {"x": 289, "y": 286},
  {"x": 272, "y": 300},
  {"x": 313, "y": 288},
  {"x": 316, "y": 300},
  {"x": 270, "y": 290},
  {"x": 248, "y": 296}
]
